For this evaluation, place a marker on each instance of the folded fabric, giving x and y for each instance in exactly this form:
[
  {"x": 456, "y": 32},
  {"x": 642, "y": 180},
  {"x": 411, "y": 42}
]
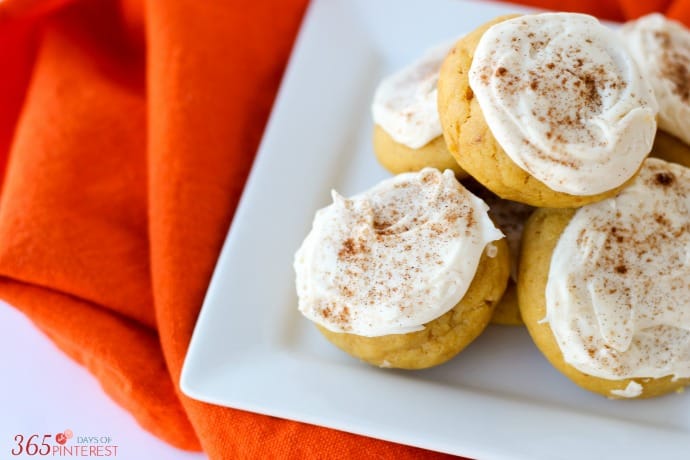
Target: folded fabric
[{"x": 127, "y": 130}]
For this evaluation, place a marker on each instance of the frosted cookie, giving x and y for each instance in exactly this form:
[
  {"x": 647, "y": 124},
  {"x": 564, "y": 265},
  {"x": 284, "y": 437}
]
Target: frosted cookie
[
  {"x": 405, "y": 274},
  {"x": 548, "y": 110},
  {"x": 407, "y": 131},
  {"x": 509, "y": 217},
  {"x": 661, "y": 48},
  {"x": 605, "y": 290}
]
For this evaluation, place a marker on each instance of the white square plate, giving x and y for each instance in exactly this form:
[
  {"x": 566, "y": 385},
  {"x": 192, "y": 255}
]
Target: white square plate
[{"x": 251, "y": 348}]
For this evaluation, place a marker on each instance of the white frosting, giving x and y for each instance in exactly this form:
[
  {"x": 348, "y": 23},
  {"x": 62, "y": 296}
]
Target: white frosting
[
  {"x": 618, "y": 292},
  {"x": 405, "y": 102},
  {"x": 662, "y": 48},
  {"x": 393, "y": 258},
  {"x": 565, "y": 100},
  {"x": 633, "y": 390}
]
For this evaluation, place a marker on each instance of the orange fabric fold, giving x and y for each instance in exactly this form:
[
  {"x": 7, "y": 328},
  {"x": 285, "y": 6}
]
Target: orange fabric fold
[{"x": 127, "y": 130}]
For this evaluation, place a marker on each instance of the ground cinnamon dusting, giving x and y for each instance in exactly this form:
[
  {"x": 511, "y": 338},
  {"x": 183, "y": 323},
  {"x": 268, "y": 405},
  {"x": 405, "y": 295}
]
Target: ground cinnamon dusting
[
  {"x": 379, "y": 257},
  {"x": 573, "y": 87},
  {"x": 676, "y": 66},
  {"x": 629, "y": 264},
  {"x": 352, "y": 248},
  {"x": 664, "y": 178}
]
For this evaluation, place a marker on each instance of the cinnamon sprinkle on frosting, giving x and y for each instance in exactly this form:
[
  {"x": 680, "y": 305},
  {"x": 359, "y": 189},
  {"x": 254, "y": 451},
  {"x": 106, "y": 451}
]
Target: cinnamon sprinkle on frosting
[
  {"x": 575, "y": 114},
  {"x": 661, "y": 47},
  {"x": 619, "y": 280},
  {"x": 394, "y": 257}
]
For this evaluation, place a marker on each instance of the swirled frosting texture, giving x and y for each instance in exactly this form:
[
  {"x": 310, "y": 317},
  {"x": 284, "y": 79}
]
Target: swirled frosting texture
[
  {"x": 618, "y": 293},
  {"x": 565, "y": 101},
  {"x": 662, "y": 48},
  {"x": 405, "y": 103},
  {"x": 393, "y": 258}
]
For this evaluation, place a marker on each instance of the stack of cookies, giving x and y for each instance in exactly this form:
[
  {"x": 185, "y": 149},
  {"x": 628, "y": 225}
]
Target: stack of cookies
[{"x": 524, "y": 194}]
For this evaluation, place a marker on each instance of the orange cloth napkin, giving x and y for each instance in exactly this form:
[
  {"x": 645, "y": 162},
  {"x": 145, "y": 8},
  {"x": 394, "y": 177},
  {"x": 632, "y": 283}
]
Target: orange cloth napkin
[{"x": 127, "y": 129}]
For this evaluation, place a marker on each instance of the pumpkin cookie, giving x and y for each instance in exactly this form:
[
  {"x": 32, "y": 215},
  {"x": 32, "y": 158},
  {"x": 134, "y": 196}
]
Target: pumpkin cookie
[
  {"x": 407, "y": 131},
  {"x": 661, "y": 47},
  {"x": 604, "y": 291},
  {"x": 405, "y": 274},
  {"x": 548, "y": 110}
]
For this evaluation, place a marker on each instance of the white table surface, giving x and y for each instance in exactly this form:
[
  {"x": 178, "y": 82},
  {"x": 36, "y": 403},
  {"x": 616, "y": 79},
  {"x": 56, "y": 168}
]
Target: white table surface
[{"x": 43, "y": 391}]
